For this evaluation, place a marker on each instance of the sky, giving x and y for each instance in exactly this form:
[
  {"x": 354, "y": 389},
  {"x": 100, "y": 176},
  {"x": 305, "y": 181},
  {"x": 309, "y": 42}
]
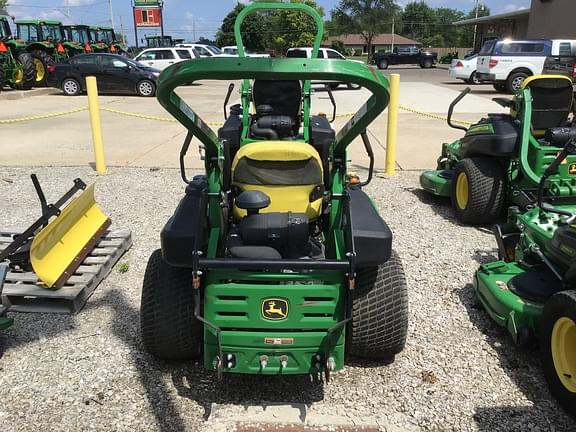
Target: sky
[{"x": 186, "y": 19}]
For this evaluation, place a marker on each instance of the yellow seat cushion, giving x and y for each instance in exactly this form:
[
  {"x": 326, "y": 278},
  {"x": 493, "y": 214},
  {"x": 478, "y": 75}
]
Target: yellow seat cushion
[{"x": 286, "y": 171}]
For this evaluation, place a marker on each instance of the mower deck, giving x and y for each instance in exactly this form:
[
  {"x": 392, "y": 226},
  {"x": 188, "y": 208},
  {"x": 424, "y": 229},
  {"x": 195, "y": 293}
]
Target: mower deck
[{"x": 494, "y": 286}]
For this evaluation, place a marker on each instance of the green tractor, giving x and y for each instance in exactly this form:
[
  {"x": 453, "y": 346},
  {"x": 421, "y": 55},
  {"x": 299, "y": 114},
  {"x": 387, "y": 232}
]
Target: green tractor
[
  {"x": 275, "y": 262},
  {"x": 16, "y": 65},
  {"x": 500, "y": 160},
  {"x": 44, "y": 40},
  {"x": 104, "y": 40},
  {"x": 82, "y": 35},
  {"x": 161, "y": 41},
  {"x": 531, "y": 290}
]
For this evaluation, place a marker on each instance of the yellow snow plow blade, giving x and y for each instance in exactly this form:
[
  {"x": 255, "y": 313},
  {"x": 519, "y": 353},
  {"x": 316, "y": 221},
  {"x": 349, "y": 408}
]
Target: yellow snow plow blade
[{"x": 59, "y": 249}]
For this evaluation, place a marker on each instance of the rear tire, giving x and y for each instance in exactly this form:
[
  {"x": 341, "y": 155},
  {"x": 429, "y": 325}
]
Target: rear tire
[
  {"x": 379, "y": 311},
  {"x": 514, "y": 81},
  {"x": 167, "y": 324},
  {"x": 383, "y": 64},
  {"x": 71, "y": 87},
  {"x": 558, "y": 348},
  {"x": 474, "y": 79},
  {"x": 146, "y": 88},
  {"x": 500, "y": 87},
  {"x": 478, "y": 193},
  {"x": 426, "y": 64},
  {"x": 41, "y": 62},
  {"x": 28, "y": 71}
]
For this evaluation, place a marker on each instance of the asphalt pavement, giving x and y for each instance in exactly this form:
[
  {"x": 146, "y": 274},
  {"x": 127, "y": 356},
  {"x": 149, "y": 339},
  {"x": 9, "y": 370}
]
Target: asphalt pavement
[{"x": 37, "y": 138}]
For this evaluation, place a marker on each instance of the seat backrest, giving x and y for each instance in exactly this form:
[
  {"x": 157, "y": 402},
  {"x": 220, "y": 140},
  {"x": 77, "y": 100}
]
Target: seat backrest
[
  {"x": 552, "y": 100},
  {"x": 285, "y": 97},
  {"x": 290, "y": 173}
]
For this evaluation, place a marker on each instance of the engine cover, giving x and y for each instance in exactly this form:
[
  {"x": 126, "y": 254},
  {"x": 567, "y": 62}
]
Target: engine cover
[{"x": 288, "y": 233}]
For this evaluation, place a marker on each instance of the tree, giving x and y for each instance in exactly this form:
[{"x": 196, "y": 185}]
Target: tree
[
  {"x": 369, "y": 18},
  {"x": 419, "y": 21},
  {"x": 292, "y": 28},
  {"x": 253, "y": 30},
  {"x": 205, "y": 41},
  {"x": 452, "y": 35}
]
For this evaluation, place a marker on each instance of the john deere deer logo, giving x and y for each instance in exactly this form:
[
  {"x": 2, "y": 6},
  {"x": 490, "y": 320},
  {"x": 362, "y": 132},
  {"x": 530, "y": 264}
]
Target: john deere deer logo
[
  {"x": 572, "y": 169},
  {"x": 274, "y": 309}
]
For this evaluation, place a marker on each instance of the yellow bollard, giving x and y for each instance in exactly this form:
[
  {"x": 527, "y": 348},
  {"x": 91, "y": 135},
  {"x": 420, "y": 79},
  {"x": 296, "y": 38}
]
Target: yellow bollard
[
  {"x": 94, "y": 107},
  {"x": 392, "y": 132}
]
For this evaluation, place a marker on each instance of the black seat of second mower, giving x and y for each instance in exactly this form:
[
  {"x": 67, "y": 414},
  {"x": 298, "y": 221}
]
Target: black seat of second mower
[
  {"x": 284, "y": 96},
  {"x": 552, "y": 101}
]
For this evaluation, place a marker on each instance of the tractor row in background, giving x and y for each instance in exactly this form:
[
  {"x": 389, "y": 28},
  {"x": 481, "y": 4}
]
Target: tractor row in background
[{"x": 25, "y": 57}]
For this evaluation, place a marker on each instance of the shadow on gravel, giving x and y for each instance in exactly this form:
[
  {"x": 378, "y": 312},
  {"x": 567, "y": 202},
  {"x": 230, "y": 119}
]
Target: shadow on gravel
[
  {"x": 523, "y": 368},
  {"x": 192, "y": 381},
  {"x": 442, "y": 207}
]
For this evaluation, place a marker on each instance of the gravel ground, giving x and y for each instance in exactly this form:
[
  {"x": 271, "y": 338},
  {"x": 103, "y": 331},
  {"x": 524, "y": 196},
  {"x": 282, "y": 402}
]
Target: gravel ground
[{"x": 459, "y": 372}]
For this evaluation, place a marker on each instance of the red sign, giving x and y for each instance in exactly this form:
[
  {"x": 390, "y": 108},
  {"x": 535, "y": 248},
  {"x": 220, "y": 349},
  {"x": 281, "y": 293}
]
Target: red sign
[{"x": 147, "y": 17}]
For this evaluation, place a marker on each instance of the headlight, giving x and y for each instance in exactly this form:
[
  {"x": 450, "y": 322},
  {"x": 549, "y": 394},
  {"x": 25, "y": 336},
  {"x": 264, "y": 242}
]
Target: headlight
[{"x": 156, "y": 74}]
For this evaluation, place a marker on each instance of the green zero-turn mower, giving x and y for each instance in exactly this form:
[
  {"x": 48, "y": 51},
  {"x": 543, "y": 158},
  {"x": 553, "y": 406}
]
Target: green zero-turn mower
[
  {"x": 500, "y": 160},
  {"x": 274, "y": 262},
  {"x": 531, "y": 289}
]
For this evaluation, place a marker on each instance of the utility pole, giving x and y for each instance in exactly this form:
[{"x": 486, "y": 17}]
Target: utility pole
[
  {"x": 122, "y": 29},
  {"x": 194, "y": 28},
  {"x": 393, "y": 24},
  {"x": 111, "y": 13},
  {"x": 475, "y": 26}
]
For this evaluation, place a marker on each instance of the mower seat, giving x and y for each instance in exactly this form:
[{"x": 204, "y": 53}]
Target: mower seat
[
  {"x": 552, "y": 100},
  {"x": 289, "y": 172}
]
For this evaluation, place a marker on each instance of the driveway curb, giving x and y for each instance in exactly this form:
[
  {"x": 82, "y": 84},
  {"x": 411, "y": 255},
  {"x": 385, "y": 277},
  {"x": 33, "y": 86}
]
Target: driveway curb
[{"x": 21, "y": 94}]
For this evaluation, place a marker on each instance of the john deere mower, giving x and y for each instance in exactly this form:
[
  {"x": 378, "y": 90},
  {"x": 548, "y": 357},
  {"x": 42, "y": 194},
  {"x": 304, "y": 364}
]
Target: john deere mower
[
  {"x": 275, "y": 262},
  {"x": 501, "y": 159},
  {"x": 531, "y": 289}
]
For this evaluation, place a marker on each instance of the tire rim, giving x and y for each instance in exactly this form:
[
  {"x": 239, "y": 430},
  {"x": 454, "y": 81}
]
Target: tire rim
[
  {"x": 40, "y": 70},
  {"x": 18, "y": 75},
  {"x": 145, "y": 88},
  {"x": 563, "y": 344},
  {"x": 70, "y": 87},
  {"x": 475, "y": 79},
  {"x": 462, "y": 191},
  {"x": 517, "y": 83}
]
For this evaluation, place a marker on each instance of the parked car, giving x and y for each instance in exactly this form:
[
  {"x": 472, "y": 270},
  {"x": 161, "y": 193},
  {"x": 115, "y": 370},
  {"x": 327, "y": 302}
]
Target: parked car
[
  {"x": 464, "y": 69},
  {"x": 507, "y": 63},
  {"x": 161, "y": 58},
  {"x": 115, "y": 73},
  {"x": 206, "y": 50},
  {"x": 232, "y": 50},
  {"x": 562, "y": 64},
  {"x": 403, "y": 56},
  {"x": 326, "y": 53}
]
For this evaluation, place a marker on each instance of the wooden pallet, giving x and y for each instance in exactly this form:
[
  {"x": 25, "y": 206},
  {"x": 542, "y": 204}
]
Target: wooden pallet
[{"x": 24, "y": 293}]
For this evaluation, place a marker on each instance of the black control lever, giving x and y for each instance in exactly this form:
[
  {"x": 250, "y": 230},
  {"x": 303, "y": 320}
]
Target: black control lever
[
  {"x": 230, "y": 90},
  {"x": 331, "y": 96},
  {"x": 451, "y": 109},
  {"x": 370, "y": 152},
  {"x": 183, "y": 152}
]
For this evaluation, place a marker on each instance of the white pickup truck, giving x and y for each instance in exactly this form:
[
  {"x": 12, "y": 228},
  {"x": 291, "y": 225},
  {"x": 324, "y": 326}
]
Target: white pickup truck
[{"x": 507, "y": 63}]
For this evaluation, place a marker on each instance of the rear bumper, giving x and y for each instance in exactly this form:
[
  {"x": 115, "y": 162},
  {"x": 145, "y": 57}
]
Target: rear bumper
[
  {"x": 52, "y": 81},
  {"x": 486, "y": 77},
  {"x": 309, "y": 333}
]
